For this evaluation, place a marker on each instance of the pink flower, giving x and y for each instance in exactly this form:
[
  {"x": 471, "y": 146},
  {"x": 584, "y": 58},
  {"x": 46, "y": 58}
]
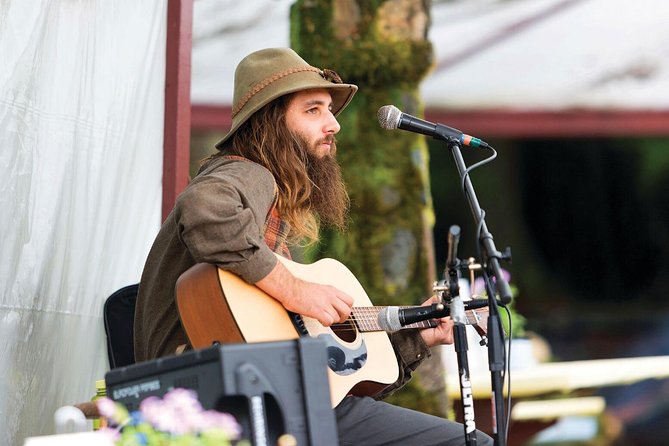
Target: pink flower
[
  {"x": 211, "y": 419},
  {"x": 479, "y": 284},
  {"x": 180, "y": 413},
  {"x": 162, "y": 416},
  {"x": 106, "y": 407}
]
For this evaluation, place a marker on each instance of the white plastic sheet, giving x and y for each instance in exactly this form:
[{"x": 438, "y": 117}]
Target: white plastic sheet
[{"x": 81, "y": 130}]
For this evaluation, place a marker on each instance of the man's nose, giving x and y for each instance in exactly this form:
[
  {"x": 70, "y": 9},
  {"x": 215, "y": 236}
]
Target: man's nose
[{"x": 332, "y": 126}]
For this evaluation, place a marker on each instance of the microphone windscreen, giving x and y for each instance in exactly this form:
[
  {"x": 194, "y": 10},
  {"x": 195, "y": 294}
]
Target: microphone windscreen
[
  {"x": 389, "y": 319},
  {"x": 389, "y": 117}
]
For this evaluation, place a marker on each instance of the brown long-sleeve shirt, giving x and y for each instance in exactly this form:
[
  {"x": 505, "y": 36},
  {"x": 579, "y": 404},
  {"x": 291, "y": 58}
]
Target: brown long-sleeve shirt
[{"x": 220, "y": 219}]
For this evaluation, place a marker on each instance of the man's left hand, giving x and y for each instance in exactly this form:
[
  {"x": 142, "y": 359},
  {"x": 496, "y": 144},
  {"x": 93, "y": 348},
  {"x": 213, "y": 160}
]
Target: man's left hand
[{"x": 442, "y": 333}]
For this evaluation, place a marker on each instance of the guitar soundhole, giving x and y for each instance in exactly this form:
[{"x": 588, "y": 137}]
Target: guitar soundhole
[{"x": 346, "y": 331}]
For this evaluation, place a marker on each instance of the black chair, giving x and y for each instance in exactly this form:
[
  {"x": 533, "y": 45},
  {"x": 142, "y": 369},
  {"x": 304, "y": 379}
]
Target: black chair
[{"x": 119, "y": 315}]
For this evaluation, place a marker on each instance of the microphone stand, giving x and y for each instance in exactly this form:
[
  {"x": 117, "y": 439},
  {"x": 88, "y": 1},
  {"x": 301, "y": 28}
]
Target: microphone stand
[
  {"x": 452, "y": 276},
  {"x": 490, "y": 262}
]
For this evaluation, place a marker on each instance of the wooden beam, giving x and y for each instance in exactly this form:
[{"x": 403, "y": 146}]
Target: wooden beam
[{"x": 176, "y": 144}]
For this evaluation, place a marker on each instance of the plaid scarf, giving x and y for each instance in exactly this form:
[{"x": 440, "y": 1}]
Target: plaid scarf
[{"x": 276, "y": 231}]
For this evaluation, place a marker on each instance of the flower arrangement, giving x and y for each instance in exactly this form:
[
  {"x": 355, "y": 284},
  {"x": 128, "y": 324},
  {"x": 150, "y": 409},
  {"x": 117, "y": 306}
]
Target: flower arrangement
[{"x": 177, "y": 419}]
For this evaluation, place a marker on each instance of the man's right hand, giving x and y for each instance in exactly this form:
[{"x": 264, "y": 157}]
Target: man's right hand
[{"x": 325, "y": 303}]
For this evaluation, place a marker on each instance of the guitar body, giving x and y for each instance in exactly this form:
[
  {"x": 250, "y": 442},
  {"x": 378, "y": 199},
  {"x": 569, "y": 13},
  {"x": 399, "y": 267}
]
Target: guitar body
[{"x": 218, "y": 306}]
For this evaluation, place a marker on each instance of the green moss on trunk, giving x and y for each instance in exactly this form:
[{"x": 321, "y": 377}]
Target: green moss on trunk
[{"x": 381, "y": 46}]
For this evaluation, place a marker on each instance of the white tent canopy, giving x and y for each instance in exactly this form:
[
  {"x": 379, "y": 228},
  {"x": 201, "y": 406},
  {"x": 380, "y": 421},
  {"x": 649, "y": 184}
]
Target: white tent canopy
[
  {"x": 551, "y": 55},
  {"x": 490, "y": 54}
]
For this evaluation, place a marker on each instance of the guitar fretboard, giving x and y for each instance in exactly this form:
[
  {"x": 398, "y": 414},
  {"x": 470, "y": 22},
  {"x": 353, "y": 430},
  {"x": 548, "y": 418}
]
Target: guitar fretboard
[{"x": 367, "y": 319}]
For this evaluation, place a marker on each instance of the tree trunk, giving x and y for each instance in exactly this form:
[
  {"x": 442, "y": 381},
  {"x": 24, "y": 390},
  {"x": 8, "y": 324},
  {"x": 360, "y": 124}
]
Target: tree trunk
[{"x": 382, "y": 47}]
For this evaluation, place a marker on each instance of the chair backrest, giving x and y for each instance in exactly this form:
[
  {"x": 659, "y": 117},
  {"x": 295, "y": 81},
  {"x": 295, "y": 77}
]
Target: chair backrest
[{"x": 119, "y": 315}]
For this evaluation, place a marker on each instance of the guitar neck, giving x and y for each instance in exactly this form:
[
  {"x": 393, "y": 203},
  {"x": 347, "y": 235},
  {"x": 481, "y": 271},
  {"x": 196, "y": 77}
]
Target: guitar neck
[{"x": 367, "y": 319}]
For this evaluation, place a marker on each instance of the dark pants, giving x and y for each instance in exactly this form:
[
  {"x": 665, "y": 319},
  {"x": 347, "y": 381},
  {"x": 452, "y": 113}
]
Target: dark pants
[{"x": 366, "y": 422}]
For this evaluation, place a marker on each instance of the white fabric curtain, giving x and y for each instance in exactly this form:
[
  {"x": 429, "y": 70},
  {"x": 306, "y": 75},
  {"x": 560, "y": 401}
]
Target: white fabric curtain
[{"x": 81, "y": 135}]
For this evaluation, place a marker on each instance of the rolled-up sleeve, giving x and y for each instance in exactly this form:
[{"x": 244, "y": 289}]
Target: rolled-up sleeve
[
  {"x": 410, "y": 350},
  {"x": 220, "y": 219}
]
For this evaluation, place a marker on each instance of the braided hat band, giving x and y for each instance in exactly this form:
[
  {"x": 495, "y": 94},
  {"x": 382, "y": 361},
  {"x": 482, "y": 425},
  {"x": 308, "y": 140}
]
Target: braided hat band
[{"x": 265, "y": 83}]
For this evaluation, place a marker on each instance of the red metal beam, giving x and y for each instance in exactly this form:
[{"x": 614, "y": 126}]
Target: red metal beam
[
  {"x": 555, "y": 124},
  {"x": 211, "y": 117},
  {"x": 176, "y": 144},
  {"x": 508, "y": 123}
]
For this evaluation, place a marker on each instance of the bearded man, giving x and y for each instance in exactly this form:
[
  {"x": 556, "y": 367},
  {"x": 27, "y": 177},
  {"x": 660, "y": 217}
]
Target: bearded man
[{"x": 274, "y": 180}]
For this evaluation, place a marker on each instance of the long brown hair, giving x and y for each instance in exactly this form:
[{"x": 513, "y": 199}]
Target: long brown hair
[{"x": 265, "y": 139}]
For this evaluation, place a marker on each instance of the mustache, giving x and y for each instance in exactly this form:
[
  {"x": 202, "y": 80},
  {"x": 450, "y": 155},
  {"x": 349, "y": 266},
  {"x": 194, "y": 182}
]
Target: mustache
[{"x": 330, "y": 139}]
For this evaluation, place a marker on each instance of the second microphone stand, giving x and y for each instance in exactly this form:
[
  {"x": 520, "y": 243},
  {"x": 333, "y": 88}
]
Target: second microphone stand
[
  {"x": 491, "y": 258},
  {"x": 451, "y": 294}
]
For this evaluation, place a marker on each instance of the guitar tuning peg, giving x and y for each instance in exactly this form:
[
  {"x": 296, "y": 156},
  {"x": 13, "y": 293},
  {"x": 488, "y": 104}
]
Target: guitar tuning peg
[
  {"x": 472, "y": 265},
  {"x": 440, "y": 285}
]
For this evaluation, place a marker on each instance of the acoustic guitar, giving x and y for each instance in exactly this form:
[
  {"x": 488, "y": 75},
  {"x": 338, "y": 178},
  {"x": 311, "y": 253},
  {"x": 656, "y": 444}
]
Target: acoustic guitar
[{"x": 216, "y": 306}]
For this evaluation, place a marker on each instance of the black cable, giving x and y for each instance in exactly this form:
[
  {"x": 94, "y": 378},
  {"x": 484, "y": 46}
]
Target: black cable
[
  {"x": 506, "y": 373},
  {"x": 477, "y": 165},
  {"x": 508, "y": 370}
]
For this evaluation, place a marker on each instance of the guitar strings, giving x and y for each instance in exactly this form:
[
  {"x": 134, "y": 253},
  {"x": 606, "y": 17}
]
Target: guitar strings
[
  {"x": 367, "y": 324},
  {"x": 362, "y": 319}
]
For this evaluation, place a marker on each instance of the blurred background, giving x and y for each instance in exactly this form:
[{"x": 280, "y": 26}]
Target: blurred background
[{"x": 573, "y": 95}]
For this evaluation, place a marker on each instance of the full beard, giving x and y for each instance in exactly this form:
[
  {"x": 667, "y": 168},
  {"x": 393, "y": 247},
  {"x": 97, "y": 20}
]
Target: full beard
[{"x": 328, "y": 199}]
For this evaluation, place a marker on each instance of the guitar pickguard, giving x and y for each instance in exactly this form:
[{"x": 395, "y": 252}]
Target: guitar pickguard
[
  {"x": 344, "y": 361},
  {"x": 341, "y": 359}
]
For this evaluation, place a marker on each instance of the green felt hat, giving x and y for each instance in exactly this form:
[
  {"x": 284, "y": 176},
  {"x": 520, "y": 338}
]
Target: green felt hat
[{"x": 267, "y": 74}]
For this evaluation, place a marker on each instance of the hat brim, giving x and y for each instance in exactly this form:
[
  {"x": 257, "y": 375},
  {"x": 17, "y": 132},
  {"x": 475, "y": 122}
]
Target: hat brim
[{"x": 341, "y": 96}]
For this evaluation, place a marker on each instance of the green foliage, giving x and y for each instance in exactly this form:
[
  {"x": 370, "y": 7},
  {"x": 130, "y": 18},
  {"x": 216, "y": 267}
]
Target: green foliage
[
  {"x": 654, "y": 156},
  {"x": 518, "y": 321}
]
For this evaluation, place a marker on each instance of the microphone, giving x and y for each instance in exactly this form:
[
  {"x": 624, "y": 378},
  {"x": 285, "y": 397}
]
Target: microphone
[
  {"x": 453, "y": 240},
  {"x": 394, "y": 318},
  {"x": 390, "y": 118},
  {"x": 391, "y": 319}
]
